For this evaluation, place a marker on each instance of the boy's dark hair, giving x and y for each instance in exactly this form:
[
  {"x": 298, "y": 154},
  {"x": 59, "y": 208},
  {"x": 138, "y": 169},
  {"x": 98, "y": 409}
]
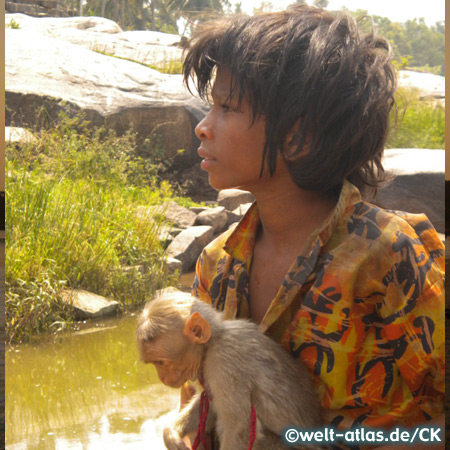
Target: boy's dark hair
[{"x": 309, "y": 64}]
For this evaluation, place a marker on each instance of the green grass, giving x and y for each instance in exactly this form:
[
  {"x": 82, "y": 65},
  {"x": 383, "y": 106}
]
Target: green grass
[
  {"x": 170, "y": 66},
  {"x": 420, "y": 123},
  {"x": 72, "y": 223},
  {"x": 12, "y": 24}
]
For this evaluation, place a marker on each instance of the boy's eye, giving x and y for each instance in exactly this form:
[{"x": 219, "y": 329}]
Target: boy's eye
[
  {"x": 158, "y": 363},
  {"x": 225, "y": 108}
]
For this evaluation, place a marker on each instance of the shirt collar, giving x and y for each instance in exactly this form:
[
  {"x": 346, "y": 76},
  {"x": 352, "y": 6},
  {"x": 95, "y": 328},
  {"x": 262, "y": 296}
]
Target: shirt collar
[{"x": 241, "y": 241}]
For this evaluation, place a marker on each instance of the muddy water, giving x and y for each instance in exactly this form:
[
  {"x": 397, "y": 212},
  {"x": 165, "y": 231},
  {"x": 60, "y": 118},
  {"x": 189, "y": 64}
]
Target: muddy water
[{"x": 85, "y": 390}]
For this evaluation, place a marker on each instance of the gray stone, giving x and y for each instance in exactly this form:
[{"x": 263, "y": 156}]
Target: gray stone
[
  {"x": 198, "y": 209},
  {"x": 429, "y": 84},
  {"x": 214, "y": 217},
  {"x": 105, "y": 36},
  {"x": 88, "y": 305},
  {"x": 238, "y": 213},
  {"x": 46, "y": 73},
  {"x": 230, "y": 199},
  {"x": 173, "y": 264},
  {"x": 419, "y": 183},
  {"x": 188, "y": 245},
  {"x": 18, "y": 135},
  {"x": 164, "y": 235},
  {"x": 172, "y": 212}
]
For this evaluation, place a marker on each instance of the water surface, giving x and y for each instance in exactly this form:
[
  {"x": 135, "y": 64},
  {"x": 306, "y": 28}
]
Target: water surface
[{"x": 85, "y": 390}]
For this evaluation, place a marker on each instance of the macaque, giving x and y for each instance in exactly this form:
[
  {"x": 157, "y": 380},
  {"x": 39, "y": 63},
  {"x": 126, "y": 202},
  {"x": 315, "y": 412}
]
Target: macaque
[{"x": 186, "y": 339}]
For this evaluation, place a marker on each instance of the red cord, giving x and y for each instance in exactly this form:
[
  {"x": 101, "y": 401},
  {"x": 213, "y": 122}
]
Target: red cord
[
  {"x": 252, "y": 429},
  {"x": 203, "y": 409},
  {"x": 200, "y": 437}
]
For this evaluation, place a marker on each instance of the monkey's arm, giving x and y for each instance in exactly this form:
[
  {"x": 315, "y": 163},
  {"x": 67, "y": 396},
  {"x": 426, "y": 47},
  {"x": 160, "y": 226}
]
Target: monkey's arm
[{"x": 186, "y": 422}]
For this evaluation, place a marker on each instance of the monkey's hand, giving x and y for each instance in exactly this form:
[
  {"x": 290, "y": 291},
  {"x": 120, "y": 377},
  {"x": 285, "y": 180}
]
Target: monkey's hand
[{"x": 173, "y": 440}]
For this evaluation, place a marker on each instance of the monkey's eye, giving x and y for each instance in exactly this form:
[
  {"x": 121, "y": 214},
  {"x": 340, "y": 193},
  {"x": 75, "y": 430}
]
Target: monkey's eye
[{"x": 158, "y": 363}]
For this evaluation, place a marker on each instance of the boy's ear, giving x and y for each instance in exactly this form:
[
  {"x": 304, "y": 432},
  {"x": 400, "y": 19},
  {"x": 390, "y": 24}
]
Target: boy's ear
[
  {"x": 197, "y": 329},
  {"x": 291, "y": 153}
]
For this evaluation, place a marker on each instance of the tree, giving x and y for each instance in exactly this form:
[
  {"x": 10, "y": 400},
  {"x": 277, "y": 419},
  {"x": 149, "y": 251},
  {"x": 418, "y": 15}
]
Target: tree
[{"x": 321, "y": 3}]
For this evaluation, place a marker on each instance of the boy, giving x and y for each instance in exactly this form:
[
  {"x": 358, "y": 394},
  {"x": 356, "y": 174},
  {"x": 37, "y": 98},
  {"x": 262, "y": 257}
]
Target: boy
[{"x": 300, "y": 112}]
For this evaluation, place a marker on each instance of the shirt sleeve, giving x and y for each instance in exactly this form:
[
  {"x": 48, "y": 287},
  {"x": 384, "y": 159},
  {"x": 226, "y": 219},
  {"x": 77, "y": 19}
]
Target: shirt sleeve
[
  {"x": 413, "y": 311},
  {"x": 200, "y": 286}
]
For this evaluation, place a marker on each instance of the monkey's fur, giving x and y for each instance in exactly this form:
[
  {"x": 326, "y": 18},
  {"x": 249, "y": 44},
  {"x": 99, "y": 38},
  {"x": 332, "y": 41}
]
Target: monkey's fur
[{"x": 241, "y": 367}]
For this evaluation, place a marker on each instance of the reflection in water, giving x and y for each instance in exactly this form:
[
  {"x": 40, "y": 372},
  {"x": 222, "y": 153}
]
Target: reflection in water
[{"x": 86, "y": 390}]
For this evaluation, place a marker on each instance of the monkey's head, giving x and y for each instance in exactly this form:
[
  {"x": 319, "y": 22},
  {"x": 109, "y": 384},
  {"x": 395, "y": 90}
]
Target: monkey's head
[{"x": 172, "y": 338}]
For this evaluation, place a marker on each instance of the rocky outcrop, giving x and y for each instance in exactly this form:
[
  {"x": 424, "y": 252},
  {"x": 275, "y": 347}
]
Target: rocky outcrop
[
  {"x": 18, "y": 135},
  {"x": 38, "y": 8},
  {"x": 230, "y": 199},
  {"x": 105, "y": 36},
  {"x": 51, "y": 74},
  {"x": 430, "y": 86},
  {"x": 419, "y": 183},
  {"x": 188, "y": 245},
  {"x": 216, "y": 218},
  {"x": 87, "y": 305},
  {"x": 186, "y": 232},
  {"x": 172, "y": 212}
]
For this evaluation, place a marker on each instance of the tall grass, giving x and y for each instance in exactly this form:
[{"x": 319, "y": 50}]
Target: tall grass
[
  {"x": 72, "y": 223},
  {"x": 419, "y": 123}
]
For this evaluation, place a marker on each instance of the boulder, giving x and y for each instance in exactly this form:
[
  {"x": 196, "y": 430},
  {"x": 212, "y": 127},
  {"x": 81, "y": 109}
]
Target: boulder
[
  {"x": 198, "y": 209},
  {"x": 172, "y": 212},
  {"x": 38, "y": 8},
  {"x": 238, "y": 213},
  {"x": 418, "y": 186},
  {"x": 188, "y": 245},
  {"x": 105, "y": 36},
  {"x": 52, "y": 75},
  {"x": 88, "y": 305},
  {"x": 230, "y": 199},
  {"x": 173, "y": 264},
  {"x": 429, "y": 84},
  {"x": 214, "y": 217},
  {"x": 18, "y": 135}
]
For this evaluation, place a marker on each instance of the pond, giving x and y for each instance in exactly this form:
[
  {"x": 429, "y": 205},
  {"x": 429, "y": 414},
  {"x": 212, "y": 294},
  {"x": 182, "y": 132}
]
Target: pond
[{"x": 86, "y": 390}]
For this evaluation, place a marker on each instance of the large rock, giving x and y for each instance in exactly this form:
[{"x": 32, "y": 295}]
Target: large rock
[
  {"x": 230, "y": 199},
  {"x": 51, "y": 74},
  {"x": 214, "y": 217},
  {"x": 188, "y": 245},
  {"x": 418, "y": 186},
  {"x": 18, "y": 135},
  {"x": 172, "y": 212},
  {"x": 429, "y": 84},
  {"x": 90, "y": 306},
  {"x": 105, "y": 36}
]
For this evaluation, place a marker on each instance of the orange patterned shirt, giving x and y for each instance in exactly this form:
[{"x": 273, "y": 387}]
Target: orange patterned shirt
[{"x": 362, "y": 307}]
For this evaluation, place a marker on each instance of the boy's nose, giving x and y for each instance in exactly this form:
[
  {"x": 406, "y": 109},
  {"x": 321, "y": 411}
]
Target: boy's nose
[{"x": 202, "y": 130}]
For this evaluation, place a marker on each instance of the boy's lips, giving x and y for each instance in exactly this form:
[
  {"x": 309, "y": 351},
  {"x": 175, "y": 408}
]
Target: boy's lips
[
  {"x": 203, "y": 153},
  {"x": 208, "y": 160}
]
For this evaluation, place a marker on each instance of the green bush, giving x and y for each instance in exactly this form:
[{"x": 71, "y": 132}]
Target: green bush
[
  {"x": 419, "y": 123},
  {"x": 73, "y": 222}
]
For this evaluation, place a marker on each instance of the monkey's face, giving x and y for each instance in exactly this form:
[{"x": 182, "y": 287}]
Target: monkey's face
[{"x": 176, "y": 361}]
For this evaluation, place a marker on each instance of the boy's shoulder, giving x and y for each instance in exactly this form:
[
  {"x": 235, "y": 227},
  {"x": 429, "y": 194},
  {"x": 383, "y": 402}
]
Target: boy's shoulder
[{"x": 392, "y": 227}]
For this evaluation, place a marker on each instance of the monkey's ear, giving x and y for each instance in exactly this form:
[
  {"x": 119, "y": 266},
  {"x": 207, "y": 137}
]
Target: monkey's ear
[{"x": 197, "y": 329}]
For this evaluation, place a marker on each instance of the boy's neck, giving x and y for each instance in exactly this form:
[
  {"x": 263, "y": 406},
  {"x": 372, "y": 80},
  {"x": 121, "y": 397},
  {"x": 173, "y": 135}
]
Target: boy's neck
[{"x": 290, "y": 214}]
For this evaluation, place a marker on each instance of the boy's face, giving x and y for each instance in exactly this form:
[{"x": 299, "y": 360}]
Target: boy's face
[{"x": 231, "y": 145}]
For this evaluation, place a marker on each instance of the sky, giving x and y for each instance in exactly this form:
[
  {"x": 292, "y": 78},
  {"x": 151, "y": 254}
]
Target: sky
[{"x": 396, "y": 10}]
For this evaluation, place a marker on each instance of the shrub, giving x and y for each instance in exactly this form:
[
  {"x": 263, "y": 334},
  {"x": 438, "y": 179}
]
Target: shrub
[{"x": 72, "y": 222}]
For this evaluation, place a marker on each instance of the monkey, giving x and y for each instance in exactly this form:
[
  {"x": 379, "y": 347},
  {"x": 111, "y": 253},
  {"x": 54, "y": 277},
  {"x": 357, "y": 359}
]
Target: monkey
[{"x": 244, "y": 374}]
